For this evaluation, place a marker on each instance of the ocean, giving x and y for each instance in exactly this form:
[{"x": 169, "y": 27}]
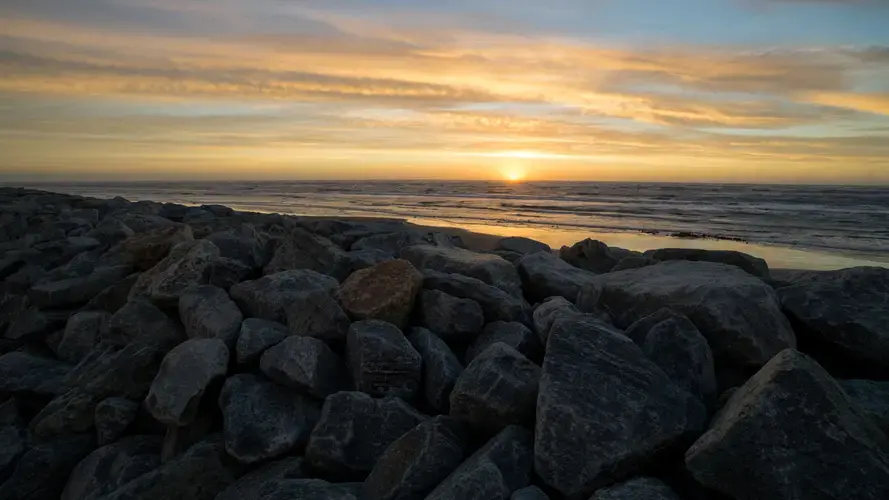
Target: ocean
[{"x": 814, "y": 227}]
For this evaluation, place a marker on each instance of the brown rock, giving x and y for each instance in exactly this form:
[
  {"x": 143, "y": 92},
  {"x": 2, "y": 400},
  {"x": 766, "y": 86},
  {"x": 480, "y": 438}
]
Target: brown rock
[{"x": 385, "y": 292}]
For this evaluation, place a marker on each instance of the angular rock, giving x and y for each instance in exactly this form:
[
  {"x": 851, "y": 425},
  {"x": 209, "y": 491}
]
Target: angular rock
[
  {"x": 263, "y": 420},
  {"x": 110, "y": 231},
  {"x": 255, "y": 337},
  {"x": 604, "y": 410},
  {"x": 451, "y": 318},
  {"x": 110, "y": 467},
  {"x": 145, "y": 250},
  {"x": 41, "y": 472},
  {"x": 390, "y": 243},
  {"x": 633, "y": 263},
  {"x": 493, "y": 472},
  {"x": 491, "y": 269},
  {"x": 139, "y": 320},
  {"x": 441, "y": 368},
  {"x": 114, "y": 297},
  {"x": 308, "y": 489},
  {"x": 382, "y": 361},
  {"x": 521, "y": 245},
  {"x": 362, "y": 259},
  {"x": 513, "y": 334},
  {"x": 83, "y": 331},
  {"x": 185, "y": 374},
  {"x": 383, "y": 292},
  {"x": 304, "y": 250},
  {"x": 22, "y": 280},
  {"x": 226, "y": 273},
  {"x": 643, "y": 488},
  {"x": 304, "y": 363},
  {"x": 545, "y": 275},
  {"x": 13, "y": 444},
  {"x": 317, "y": 314},
  {"x": 529, "y": 493},
  {"x": 271, "y": 296},
  {"x": 417, "y": 461},
  {"x": 872, "y": 397},
  {"x": 548, "y": 311},
  {"x": 244, "y": 244},
  {"x": 22, "y": 372},
  {"x": 207, "y": 312},
  {"x": 354, "y": 430},
  {"x": 791, "y": 432},
  {"x": 32, "y": 324},
  {"x": 113, "y": 416},
  {"x": 498, "y": 388},
  {"x": 183, "y": 268},
  {"x": 594, "y": 256},
  {"x": 262, "y": 480},
  {"x": 749, "y": 263},
  {"x": 496, "y": 304}
]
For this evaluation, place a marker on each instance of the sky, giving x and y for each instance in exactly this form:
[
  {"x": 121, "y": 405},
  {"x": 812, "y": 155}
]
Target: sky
[{"x": 786, "y": 91}]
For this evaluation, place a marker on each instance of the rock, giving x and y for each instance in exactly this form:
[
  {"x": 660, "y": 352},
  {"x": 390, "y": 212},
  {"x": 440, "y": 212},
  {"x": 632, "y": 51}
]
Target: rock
[
  {"x": 13, "y": 444},
  {"x": 633, "y": 263},
  {"x": 382, "y": 361},
  {"x": 42, "y": 471},
  {"x": 139, "y": 320},
  {"x": 441, "y": 368},
  {"x": 110, "y": 467},
  {"x": 307, "y": 489},
  {"x": 451, "y": 318},
  {"x": 521, "y": 245},
  {"x": 791, "y": 432},
  {"x": 270, "y": 296},
  {"x": 12, "y": 306},
  {"x": 362, "y": 259},
  {"x": 500, "y": 467},
  {"x": 548, "y": 311},
  {"x": 243, "y": 244},
  {"x": 872, "y": 397},
  {"x": 304, "y": 250},
  {"x": 498, "y": 388},
  {"x": 183, "y": 268},
  {"x": 304, "y": 363},
  {"x": 749, "y": 263},
  {"x": 144, "y": 251},
  {"x": 263, "y": 420},
  {"x": 256, "y": 336},
  {"x": 317, "y": 314},
  {"x": 496, "y": 304},
  {"x": 390, "y": 243},
  {"x": 515, "y": 335},
  {"x": 22, "y": 372},
  {"x": 644, "y": 488},
  {"x": 115, "y": 296},
  {"x": 383, "y": 292},
  {"x": 32, "y": 324},
  {"x": 594, "y": 256},
  {"x": 545, "y": 275},
  {"x": 261, "y": 480},
  {"x": 22, "y": 280},
  {"x": 83, "y": 331},
  {"x": 841, "y": 317},
  {"x": 354, "y": 430},
  {"x": 207, "y": 312},
  {"x": 529, "y": 493},
  {"x": 110, "y": 231},
  {"x": 604, "y": 410},
  {"x": 738, "y": 314},
  {"x": 226, "y": 273},
  {"x": 491, "y": 269},
  {"x": 417, "y": 461},
  {"x": 185, "y": 374},
  {"x": 112, "y": 418}
]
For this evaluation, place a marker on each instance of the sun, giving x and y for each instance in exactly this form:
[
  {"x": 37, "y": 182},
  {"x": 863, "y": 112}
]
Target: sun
[{"x": 514, "y": 175}]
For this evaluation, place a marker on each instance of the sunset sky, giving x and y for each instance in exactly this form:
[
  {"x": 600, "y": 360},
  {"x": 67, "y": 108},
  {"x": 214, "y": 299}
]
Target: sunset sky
[{"x": 647, "y": 90}]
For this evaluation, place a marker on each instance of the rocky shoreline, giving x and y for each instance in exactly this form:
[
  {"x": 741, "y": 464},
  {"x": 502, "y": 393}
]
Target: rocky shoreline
[{"x": 158, "y": 351}]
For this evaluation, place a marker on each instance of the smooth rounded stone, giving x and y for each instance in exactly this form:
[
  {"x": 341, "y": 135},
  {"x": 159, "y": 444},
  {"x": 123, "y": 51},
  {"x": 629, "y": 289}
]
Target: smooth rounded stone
[
  {"x": 674, "y": 344},
  {"x": 496, "y": 304},
  {"x": 265, "y": 478},
  {"x": 633, "y": 262},
  {"x": 83, "y": 331},
  {"x": 791, "y": 432},
  {"x": 301, "y": 249},
  {"x": 207, "y": 312},
  {"x": 110, "y": 231},
  {"x": 497, "y": 469},
  {"x": 498, "y": 388},
  {"x": 354, "y": 431},
  {"x": 226, "y": 273},
  {"x": 183, "y": 268},
  {"x": 872, "y": 397},
  {"x": 317, "y": 314},
  {"x": 270, "y": 297},
  {"x": 594, "y": 256},
  {"x": 842, "y": 317},
  {"x": 529, "y": 493},
  {"x": 140, "y": 320},
  {"x": 26, "y": 373},
  {"x": 263, "y": 420},
  {"x": 451, "y": 318},
  {"x": 545, "y": 275},
  {"x": 382, "y": 361},
  {"x": 112, "y": 298},
  {"x": 604, "y": 409},
  {"x": 244, "y": 244},
  {"x": 441, "y": 368},
  {"x": 151, "y": 245},
  {"x": 185, "y": 374},
  {"x": 383, "y": 292},
  {"x": 417, "y": 461},
  {"x": 643, "y": 488},
  {"x": 255, "y": 337},
  {"x": 513, "y": 334},
  {"x": 548, "y": 311},
  {"x": 76, "y": 291},
  {"x": 42, "y": 471},
  {"x": 304, "y": 363},
  {"x": 521, "y": 245},
  {"x": 749, "y": 263},
  {"x": 491, "y": 269},
  {"x": 737, "y": 313},
  {"x": 110, "y": 467},
  {"x": 13, "y": 444},
  {"x": 113, "y": 416}
]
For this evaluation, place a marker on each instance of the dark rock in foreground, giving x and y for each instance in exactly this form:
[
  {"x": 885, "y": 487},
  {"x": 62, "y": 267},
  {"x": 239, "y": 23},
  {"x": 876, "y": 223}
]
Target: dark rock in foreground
[
  {"x": 271, "y": 296},
  {"x": 645, "y": 488},
  {"x": 529, "y": 493},
  {"x": 514, "y": 334},
  {"x": 496, "y": 304},
  {"x": 872, "y": 397},
  {"x": 382, "y": 361},
  {"x": 305, "y": 364},
  {"x": 255, "y": 337},
  {"x": 41, "y": 473},
  {"x": 594, "y": 256},
  {"x": 749, "y": 263},
  {"x": 441, "y": 368},
  {"x": 112, "y": 417},
  {"x": 545, "y": 275},
  {"x": 384, "y": 292},
  {"x": 110, "y": 467},
  {"x": 451, "y": 318},
  {"x": 21, "y": 372},
  {"x": 208, "y": 313},
  {"x": 491, "y": 269},
  {"x": 261, "y": 480}
]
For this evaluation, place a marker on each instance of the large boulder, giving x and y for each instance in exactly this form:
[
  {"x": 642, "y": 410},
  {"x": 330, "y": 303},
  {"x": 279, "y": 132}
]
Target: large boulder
[
  {"x": 604, "y": 410},
  {"x": 390, "y": 243},
  {"x": 594, "y": 256},
  {"x": 243, "y": 244},
  {"x": 489, "y": 268},
  {"x": 139, "y": 320},
  {"x": 872, "y": 397},
  {"x": 500, "y": 467},
  {"x": 417, "y": 461},
  {"x": 306, "y": 489},
  {"x": 143, "y": 251},
  {"x": 643, "y": 488},
  {"x": 83, "y": 331},
  {"x": 496, "y": 304},
  {"x": 255, "y": 337},
  {"x": 113, "y": 416},
  {"x": 31, "y": 324},
  {"x": 112, "y": 298},
  {"x": 78, "y": 290},
  {"x": 27, "y": 373},
  {"x": 317, "y": 314},
  {"x": 513, "y": 334},
  {"x": 226, "y": 273},
  {"x": 385, "y": 292},
  {"x": 265, "y": 479},
  {"x": 354, "y": 430},
  {"x": 110, "y": 467},
  {"x": 110, "y": 231},
  {"x": 749, "y": 263},
  {"x": 529, "y": 493},
  {"x": 183, "y": 268},
  {"x": 451, "y": 318},
  {"x": 521, "y": 245},
  {"x": 42, "y": 471},
  {"x": 301, "y": 249},
  {"x": 304, "y": 363},
  {"x": 382, "y": 361},
  {"x": 790, "y": 432},
  {"x": 441, "y": 368},
  {"x": 271, "y": 296},
  {"x": 545, "y": 275},
  {"x": 547, "y": 312},
  {"x": 207, "y": 312}
]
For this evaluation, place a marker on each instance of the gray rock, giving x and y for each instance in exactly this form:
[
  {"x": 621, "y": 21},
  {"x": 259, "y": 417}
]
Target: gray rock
[
  {"x": 13, "y": 444},
  {"x": 271, "y": 296},
  {"x": 417, "y": 461},
  {"x": 382, "y": 361},
  {"x": 317, "y": 314},
  {"x": 594, "y": 256},
  {"x": 307, "y": 489},
  {"x": 110, "y": 231},
  {"x": 22, "y": 372},
  {"x": 112, "y": 417},
  {"x": 513, "y": 334},
  {"x": 496, "y": 304},
  {"x": 263, "y": 420},
  {"x": 354, "y": 430},
  {"x": 114, "y": 297},
  {"x": 244, "y": 244},
  {"x": 451, "y": 318},
  {"x": 32, "y": 324},
  {"x": 547, "y": 312},
  {"x": 110, "y": 467},
  {"x": 40, "y": 474},
  {"x": 441, "y": 368},
  {"x": 390, "y": 243},
  {"x": 256, "y": 336},
  {"x": 383, "y": 292},
  {"x": 643, "y": 488},
  {"x": 304, "y": 363},
  {"x": 83, "y": 331},
  {"x": 545, "y": 275},
  {"x": 791, "y": 432},
  {"x": 304, "y": 250},
  {"x": 749, "y": 263},
  {"x": 11, "y": 307},
  {"x": 207, "y": 312},
  {"x": 139, "y": 320},
  {"x": 183, "y": 268},
  {"x": 872, "y": 397},
  {"x": 262, "y": 479},
  {"x": 22, "y": 280},
  {"x": 226, "y": 273},
  {"x": 362, "y": 259},
  {"x": 604, "y": 411},
  {"x": 498, "y": 388},
  {"x": 529, "y": 493},
  {"x": 185, "y": 374},
  {"x": 521, "y": 245},
  {"x": 493, "y": 472},
  {"x": 143, "y": 251},
  {"x": 491, "y": 269},
  {"x": 633, "y": 263}
]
